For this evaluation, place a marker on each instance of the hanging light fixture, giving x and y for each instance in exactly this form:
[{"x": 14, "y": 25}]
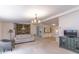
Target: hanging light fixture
[{"x": 35, "y": 21}]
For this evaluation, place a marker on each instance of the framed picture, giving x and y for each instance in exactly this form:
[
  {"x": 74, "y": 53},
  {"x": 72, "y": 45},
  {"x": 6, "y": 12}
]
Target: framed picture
[
  {"x": 47, "y": 29},
  {"x": 22, "y": 29}
]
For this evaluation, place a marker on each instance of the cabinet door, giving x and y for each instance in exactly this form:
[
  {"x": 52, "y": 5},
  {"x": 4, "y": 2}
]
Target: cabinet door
[
  {"x": 77, "y": 43},
  {"x": 68, "y": 43},
  {"x": 72, "y": 43},
  {"x": 64, "y": 42}
]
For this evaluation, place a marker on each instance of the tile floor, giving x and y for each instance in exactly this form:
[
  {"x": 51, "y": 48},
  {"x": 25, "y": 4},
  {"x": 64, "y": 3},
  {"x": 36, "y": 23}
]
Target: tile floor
[{"x": 41, "y": 46}]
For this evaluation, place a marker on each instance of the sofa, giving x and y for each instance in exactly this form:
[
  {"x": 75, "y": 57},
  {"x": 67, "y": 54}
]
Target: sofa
[{"x": 23, "y": 38}]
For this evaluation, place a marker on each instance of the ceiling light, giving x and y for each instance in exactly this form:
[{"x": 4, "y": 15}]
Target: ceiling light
[
  {"x": 56, "y": 31},
  {"x": 35, "y": 21},
  {"x": 39, "y": 21},
  {"x": 53, "y": 24},
  {"x": 32, "y": 21}
]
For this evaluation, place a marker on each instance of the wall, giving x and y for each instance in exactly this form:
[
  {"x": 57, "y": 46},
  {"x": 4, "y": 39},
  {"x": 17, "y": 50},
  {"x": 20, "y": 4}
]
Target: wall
[
  {"x": 0, "y": 30},
  {"x": 5, "y": 28},
  {"x": 33, "y": 29},
  {"x": 24, "y": 37},
  {"x": 37, "y": 30},
  {"x": 51, "y": 34},
  {"x": 69, "y": 21},
  {"x": 47, "y": 34},
  {"x": 4, "y": 34}
]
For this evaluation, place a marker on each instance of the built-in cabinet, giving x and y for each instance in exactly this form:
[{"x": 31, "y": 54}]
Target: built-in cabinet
[{"x": 70, "y": 43}]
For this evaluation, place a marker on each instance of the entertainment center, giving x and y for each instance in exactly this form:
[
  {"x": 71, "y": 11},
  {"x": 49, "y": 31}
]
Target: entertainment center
[{"x": 70, "y": 40}]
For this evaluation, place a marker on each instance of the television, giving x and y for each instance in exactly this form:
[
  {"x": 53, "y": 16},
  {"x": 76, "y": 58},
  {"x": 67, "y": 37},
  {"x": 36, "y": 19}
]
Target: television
[{"x": 70, "y": 33}]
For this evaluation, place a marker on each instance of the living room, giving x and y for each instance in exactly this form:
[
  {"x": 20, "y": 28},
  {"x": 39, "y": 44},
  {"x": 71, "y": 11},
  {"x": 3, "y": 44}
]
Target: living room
[{"x": 36, "y": 25}]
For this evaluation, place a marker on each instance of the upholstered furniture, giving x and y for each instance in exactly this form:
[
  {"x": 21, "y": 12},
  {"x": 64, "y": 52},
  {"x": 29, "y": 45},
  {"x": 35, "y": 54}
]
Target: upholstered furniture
[
  {"x": 7, "y": 45},
  {"x": 23, "y": 38}
]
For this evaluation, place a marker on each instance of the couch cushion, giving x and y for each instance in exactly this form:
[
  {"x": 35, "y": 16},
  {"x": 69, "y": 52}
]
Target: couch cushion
[{"x": 23, "y": 38}]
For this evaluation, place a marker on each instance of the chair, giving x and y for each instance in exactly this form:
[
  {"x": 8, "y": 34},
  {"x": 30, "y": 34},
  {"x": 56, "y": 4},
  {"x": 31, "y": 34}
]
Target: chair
[{"x": 6, "y": 45}]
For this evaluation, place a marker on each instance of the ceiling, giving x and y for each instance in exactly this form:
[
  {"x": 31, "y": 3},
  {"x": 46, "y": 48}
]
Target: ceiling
[
  {"x": 51, "y": 22},
  {"x": 26, "y": 13}
]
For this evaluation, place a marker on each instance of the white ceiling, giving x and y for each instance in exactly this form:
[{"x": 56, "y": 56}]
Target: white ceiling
[
  {"x": 51, "y": 21},
  {"x": 26, "y": 13}
]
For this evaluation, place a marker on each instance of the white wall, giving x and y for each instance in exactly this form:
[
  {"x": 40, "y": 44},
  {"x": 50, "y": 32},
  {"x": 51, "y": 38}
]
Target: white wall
[
  {"x": 0, "y": 30},
  {"x": 33, "y": 29},
  {"x": 5, "y": 28},
  {"x": 69, "y": 21}
]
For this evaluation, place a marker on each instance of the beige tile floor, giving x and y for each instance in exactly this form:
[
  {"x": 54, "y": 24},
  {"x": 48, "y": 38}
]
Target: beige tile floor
[{"x": 41, "y": 46}]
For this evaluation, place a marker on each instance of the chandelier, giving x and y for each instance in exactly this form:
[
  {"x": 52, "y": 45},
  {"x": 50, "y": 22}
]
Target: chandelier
[{"x": 35, "y": 21}]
